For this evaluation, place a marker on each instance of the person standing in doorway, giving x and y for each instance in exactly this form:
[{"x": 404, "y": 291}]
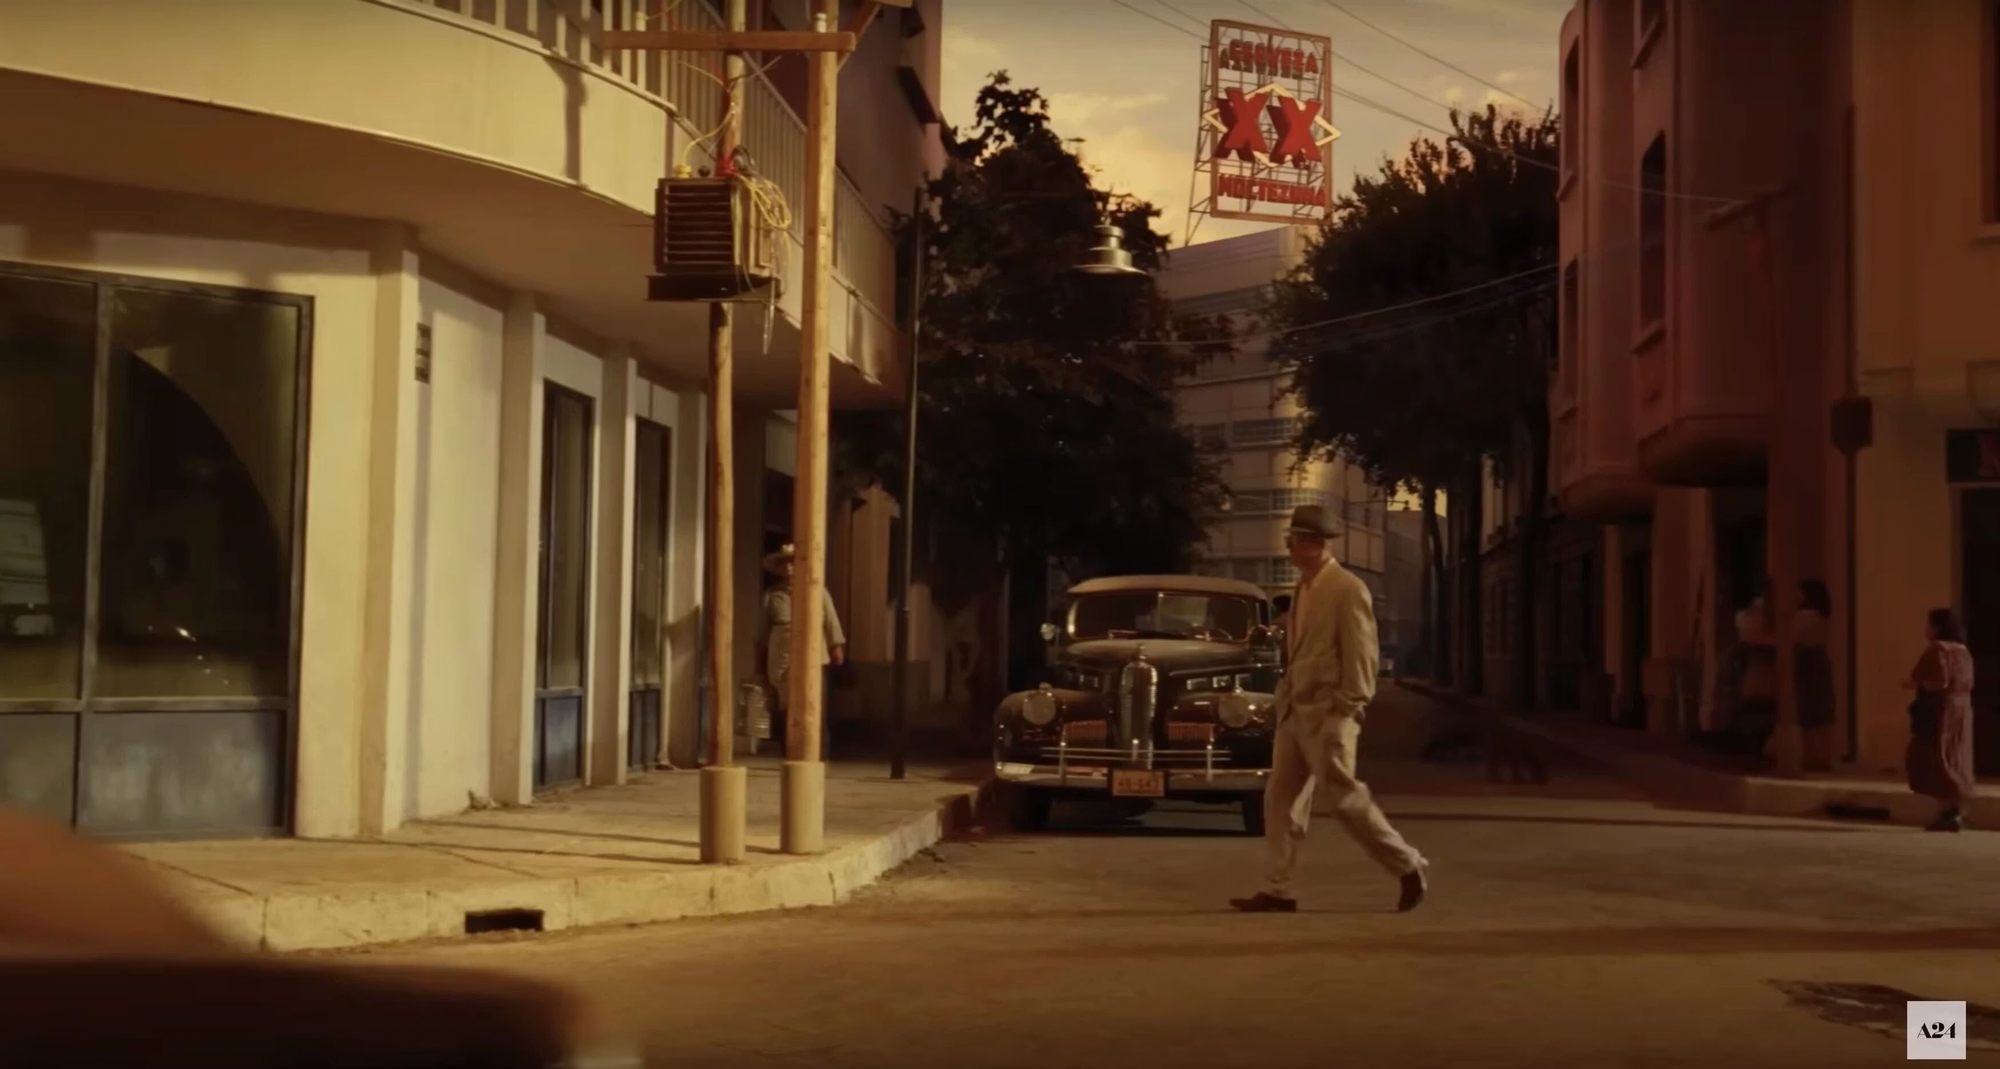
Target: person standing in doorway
[
  {"x": 777, "y": 643},
  {"x": 1939, "y": 759},
  {"x": 1329, "y": 680},
  {"x": 1812, "y": 669}
]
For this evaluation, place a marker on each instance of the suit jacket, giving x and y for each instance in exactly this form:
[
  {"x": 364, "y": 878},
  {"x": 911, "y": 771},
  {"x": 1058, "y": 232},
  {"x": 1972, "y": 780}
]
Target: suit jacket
[{"x": 1331, "y": 648}]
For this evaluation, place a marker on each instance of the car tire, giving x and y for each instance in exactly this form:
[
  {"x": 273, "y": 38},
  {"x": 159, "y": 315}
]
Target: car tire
[
  {"x": 1029, "y": 810},
  {"x": 1253, "y": 814}
]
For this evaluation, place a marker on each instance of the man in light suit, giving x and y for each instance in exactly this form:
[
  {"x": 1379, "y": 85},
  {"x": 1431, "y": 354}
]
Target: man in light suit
[{"x": 1322, "y": 699}]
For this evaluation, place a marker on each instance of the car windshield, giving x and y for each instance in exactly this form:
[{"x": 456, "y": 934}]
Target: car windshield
[{"x": 1162, "y": 614}]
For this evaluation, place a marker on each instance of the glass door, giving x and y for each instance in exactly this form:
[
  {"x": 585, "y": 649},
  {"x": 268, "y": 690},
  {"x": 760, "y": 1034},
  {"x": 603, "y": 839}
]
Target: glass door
[
  {"x": 652, "y": 467},
  {"x": 151, "y": 503},
  {"x": 563, "y": 625}
]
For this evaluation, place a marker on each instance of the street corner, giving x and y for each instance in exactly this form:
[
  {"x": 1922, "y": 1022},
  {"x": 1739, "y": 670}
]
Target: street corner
[{"x": 647, "y": 898}]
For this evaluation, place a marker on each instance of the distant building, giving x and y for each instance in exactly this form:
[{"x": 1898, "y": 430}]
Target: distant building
[{"x": 1239, "y": 407}]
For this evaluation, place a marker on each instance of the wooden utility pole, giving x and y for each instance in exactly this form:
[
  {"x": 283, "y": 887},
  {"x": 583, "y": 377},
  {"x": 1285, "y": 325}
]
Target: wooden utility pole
[
  {"x": 724, "y": 786},
  {"x": 802, "y": 827},
  {"x": 803, "y": 822}
]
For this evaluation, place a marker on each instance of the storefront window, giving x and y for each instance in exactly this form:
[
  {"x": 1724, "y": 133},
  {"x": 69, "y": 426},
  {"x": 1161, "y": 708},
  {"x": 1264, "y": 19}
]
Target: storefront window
[
  {"x": 46, "y": 385},
  {"x": 201, "y": 430},
  {"x": 649, "y": 555},
  {"x": 567, "y": 537}
]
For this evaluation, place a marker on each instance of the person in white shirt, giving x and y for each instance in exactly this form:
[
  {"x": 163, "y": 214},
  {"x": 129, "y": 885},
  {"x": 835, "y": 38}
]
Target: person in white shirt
[
  {"x": 1322, "y": 699},
  {"x": 776, "y": 644}
]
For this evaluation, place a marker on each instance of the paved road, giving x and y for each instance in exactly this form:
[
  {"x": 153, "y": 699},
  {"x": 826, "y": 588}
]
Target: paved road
[{"x": 1568, "y": 924}]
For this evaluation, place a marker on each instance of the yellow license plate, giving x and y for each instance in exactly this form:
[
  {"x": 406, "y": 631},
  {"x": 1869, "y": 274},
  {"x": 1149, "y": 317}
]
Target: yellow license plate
[{"x": 1138, "y": 783}]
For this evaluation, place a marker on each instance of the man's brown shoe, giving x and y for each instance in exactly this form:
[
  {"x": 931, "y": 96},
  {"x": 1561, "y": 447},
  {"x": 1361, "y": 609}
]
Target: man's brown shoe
[
  {"x": 1415, "y": 884},
  {"x": 1262, "y": 902}
]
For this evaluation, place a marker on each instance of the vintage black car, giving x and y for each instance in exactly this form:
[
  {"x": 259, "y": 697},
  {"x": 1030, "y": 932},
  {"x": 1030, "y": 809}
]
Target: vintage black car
[{"x": 1161, "y": 687}]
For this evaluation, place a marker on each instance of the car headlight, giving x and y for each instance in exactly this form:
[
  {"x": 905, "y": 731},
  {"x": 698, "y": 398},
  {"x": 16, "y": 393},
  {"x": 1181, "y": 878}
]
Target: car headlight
[
  {"x": 1235, "y": 710},
  {"x": 1040, "y": 707}
]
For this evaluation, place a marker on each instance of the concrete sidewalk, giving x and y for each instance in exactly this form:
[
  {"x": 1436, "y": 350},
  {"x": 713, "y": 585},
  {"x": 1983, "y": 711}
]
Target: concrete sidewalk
[
  {"x": 620, "y": 855},
  {"x": 1679, "y": 772}
]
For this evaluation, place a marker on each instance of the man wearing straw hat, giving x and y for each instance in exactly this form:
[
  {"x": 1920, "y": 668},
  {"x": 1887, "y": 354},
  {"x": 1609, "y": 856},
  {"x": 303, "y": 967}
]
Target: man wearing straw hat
[
  {"x": 1329, "y": 679},
  {"x": 777, "y": 644}
]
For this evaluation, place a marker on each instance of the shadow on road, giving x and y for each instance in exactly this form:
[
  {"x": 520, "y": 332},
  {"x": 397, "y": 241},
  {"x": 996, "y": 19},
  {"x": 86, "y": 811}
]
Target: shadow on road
[
  {"x": 1557, "y": 942},
  {"x": 1505, "y": 818}
]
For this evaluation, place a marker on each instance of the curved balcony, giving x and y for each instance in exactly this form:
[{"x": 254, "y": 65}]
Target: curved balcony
[
  {"x": 1593, "y": 451},
  {"x": 1699, "y": 340},
  {"x": 495, "y": 127}
]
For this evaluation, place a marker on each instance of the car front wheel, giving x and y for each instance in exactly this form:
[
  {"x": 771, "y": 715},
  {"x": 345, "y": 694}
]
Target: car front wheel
[
  {"x": 1030, "y": 810},
  {"x": 1253, "y": 814}
]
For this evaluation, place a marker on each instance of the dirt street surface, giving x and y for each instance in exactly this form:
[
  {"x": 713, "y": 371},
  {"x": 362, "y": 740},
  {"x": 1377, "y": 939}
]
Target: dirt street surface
[{"x": 1569, "y": 924}]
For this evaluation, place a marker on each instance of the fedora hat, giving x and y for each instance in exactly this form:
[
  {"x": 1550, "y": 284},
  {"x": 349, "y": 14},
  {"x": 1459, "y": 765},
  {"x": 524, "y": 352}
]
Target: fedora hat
[
  {"x": 775, "y": 562},
  {"x": 1311, "y": 520}
]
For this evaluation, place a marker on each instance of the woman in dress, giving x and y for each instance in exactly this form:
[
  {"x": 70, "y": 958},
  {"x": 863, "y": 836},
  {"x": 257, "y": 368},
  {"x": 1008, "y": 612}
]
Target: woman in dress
[
  {"x": 1812, "y": 671},
  {"x": 1939, "y": 759}
]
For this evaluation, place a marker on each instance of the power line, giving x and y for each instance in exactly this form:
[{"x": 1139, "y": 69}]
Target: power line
[
  {"x": 1263, "y": 14},
  {"x": 1337, "y": 6},
  {"x": 1358, "y": 316},
  {"x": 1178, "y": 11},
  {"x": 1145, "y": 14}
]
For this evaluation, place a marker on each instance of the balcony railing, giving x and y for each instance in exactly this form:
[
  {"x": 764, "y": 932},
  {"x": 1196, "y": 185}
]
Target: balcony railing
[{"x": 688, "y": 86}]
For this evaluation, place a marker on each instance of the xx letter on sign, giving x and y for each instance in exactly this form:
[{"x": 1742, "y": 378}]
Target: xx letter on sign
[
  {"x": 1293, "y": 120},
  {"x": 1242, "y": 133}
]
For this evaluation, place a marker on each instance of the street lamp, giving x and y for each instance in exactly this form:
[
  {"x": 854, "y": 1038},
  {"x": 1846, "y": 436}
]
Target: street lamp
[{"x": 1108, "y": 258}]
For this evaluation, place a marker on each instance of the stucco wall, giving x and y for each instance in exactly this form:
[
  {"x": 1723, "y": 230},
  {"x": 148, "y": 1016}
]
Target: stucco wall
[{"x": 453, "y": 522}]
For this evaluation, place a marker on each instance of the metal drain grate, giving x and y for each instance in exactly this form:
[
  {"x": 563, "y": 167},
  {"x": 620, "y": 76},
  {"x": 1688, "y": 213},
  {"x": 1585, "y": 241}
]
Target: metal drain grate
[{"x": 488, "y": 921}]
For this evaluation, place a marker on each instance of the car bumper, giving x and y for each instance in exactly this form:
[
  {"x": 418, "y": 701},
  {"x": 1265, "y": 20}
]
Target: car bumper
[{"x": 1180, "y": 782}]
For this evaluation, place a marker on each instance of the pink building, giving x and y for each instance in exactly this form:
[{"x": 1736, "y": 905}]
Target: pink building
[{"x": 1773, "y": 247}]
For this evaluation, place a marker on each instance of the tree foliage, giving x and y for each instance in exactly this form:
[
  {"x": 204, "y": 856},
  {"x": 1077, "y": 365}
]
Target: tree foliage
[
  {"x": 1405, "y": 384},
  {"x": 1046, "y": 420}
]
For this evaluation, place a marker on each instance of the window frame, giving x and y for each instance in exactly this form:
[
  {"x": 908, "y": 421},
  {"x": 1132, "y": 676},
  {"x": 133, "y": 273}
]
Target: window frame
[
  {"x": 1655, "y": 235},
  {"x": 87, "y": 704}
]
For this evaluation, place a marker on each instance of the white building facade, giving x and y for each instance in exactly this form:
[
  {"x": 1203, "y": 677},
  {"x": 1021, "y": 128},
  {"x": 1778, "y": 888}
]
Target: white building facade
[
  {"x": 1241, "y": 407},
  {"x": 347, "y": 477}
]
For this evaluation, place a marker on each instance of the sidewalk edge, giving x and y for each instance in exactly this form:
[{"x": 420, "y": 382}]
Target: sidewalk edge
[
  {"x": 352, "y": 919},
  {"x": 1669, "y": 779}
]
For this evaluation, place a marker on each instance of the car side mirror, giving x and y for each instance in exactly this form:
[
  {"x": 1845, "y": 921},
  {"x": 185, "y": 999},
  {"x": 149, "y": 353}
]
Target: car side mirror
[{"x": 1049, "y": 632}]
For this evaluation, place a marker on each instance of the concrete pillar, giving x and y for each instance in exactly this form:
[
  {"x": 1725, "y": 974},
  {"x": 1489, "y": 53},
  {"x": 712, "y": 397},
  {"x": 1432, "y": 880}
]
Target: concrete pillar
[
  {"x": 518, "y": 541},
  {"x": 611, "y": 630},
  {"x": 391, "y": 489}
]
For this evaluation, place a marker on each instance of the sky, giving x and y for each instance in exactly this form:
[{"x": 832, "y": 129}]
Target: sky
[{"x": 1129, "y": 84}]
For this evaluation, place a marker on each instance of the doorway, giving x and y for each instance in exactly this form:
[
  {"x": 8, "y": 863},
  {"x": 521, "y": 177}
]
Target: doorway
[
  {"x": 152, "y": 496},
  {"x": 1638, "y": 634},
  {"x": 652, "y": 468},
  {"x": 1979, "y": 601},
  {"x": 563, "y": 623}
]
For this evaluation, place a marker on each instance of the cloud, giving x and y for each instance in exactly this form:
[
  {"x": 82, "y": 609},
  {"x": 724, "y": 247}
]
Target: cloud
[
  {"x": 1128, "y": 157},
  {"x": 1454, "y": 95},
  {"x": 1069, "y": 110},
  {"x": 968, "y": 59},
  {"x": 1508, "y": 77}
]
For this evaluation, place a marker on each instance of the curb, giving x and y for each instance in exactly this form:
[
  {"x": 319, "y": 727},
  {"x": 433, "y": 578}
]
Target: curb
[
  {"x": 343, "y": 920},
  {"x": 1666, "y": 777}
]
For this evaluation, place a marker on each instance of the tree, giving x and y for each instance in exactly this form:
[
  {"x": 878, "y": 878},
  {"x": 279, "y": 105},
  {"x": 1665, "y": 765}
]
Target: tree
[
  {"x": 1421, "y": 327},
  {"x": 1046, "y": 425}
]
